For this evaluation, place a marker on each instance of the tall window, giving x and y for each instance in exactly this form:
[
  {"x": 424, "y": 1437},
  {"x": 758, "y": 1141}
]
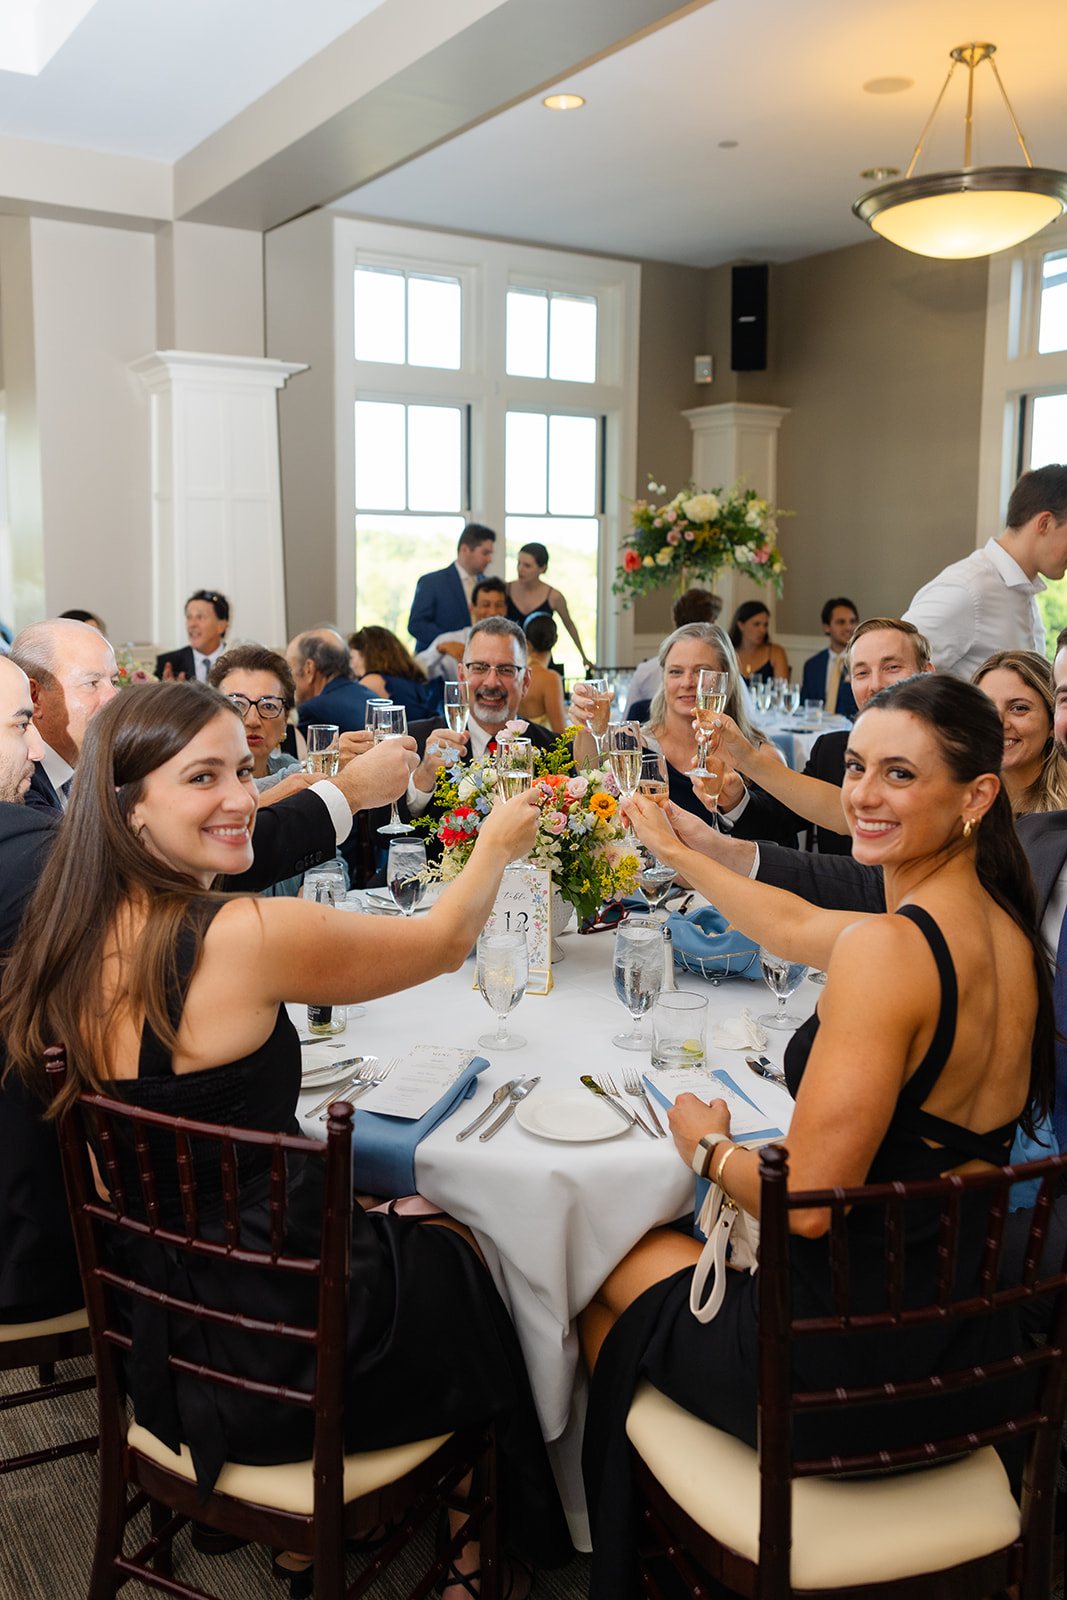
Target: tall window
[{"x": 408, "y": 318}]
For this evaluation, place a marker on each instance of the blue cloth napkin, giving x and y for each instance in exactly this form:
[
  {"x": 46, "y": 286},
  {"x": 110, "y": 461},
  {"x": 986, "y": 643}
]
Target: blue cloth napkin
[
  {"x": 704, "y": 942},
  {"x": 383, "y": 1148}
]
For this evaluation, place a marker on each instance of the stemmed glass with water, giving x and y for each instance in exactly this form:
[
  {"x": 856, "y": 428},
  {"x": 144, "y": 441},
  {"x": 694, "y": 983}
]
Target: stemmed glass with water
[
  {"x": 638, "y": 975},
  {"x": 503, "y": 964},
  {"x": 407, "y": 861},
  {"x": 783, "y": 978},
  {"x": 387, "y": 721}
]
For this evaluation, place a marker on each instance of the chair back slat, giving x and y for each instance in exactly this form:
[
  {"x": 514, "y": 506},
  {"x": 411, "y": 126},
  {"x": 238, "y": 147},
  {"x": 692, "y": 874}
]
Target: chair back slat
[
  {"x": 989, "y": 1272},
  {"x": 839, "y": 1258},
  {"x": 147, "y": 1173},
  {"x": 278, "y": 1202},
  {"x": 948, "y": 1251},
  {"x": 230, "y": 1191},
  {"x": 187, "y": 1183},
  {"x": 111, "y": 1166},
  {"x": 895, "y": 1254}
]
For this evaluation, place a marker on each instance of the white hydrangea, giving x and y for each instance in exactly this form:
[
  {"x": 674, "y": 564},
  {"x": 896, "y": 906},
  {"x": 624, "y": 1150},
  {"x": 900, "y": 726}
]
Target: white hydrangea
[{"x": 701, "y": 508}]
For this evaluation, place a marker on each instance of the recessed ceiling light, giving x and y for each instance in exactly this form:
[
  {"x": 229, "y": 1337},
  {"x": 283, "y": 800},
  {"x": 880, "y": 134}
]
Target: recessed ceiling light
[
  {"x": 887, "y": 85},
  {"x": 727, "y": 144},
  {"x": 563, "y": 102},
  {"x": 880, "y": 174}
]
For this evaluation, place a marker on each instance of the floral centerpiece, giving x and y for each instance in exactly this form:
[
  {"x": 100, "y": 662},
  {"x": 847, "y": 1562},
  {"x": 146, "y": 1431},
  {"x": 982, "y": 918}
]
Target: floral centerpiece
[
  {"x": 697, "y": 535},
  {"x": 580, "y": 836},
  {"x": 128, "y": 672}
]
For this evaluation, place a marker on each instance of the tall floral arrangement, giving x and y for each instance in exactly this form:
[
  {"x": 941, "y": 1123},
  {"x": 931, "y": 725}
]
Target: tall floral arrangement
[
  {"x": 579, "y": 836},
  {"x": 699, "y": 534}
]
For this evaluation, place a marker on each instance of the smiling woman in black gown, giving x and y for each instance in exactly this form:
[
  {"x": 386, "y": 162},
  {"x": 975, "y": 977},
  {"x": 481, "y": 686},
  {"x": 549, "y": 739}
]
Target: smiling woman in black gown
[
  {"x": 934, "y": 1030},
  {"x": 171, "y": 996}
]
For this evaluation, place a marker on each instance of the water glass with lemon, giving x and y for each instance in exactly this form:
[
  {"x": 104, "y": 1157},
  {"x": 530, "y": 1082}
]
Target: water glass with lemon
[{"x": 679, "y": 1030}]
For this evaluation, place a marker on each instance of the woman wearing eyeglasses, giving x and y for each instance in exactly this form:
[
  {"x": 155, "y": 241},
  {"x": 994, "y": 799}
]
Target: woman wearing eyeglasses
[{"x": 259, "y": 683}]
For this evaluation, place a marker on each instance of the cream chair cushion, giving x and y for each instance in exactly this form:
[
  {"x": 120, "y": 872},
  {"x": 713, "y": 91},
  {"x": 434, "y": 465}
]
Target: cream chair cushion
[
  {"x": 845, "y": 1531},
  {"x": 289, "y": 1486},
  {"x": 69, "y": 1322}
]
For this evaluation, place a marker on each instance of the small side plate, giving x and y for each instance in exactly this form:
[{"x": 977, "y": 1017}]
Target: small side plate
[{"x": 320, "y": 1077}]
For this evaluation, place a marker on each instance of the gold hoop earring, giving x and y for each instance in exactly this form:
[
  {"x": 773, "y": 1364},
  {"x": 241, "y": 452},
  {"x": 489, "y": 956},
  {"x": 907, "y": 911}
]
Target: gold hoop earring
[{"x": 969, "y": 826}]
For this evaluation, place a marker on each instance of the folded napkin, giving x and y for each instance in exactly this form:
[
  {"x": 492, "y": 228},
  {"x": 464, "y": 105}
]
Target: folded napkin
[
  {"x": 739, "y": 1033},
  {"x": 383, "y": 1148}
]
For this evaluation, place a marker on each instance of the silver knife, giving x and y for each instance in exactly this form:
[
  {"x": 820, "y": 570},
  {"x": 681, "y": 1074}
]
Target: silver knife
[
  {"x": 519, "y": 1092},
  {"x": 616, "y": 1105},
  {"x": 650, "y": 1108},
  {"x": 763, "y": 1069},
  {"x": 498, "y": 1099}
]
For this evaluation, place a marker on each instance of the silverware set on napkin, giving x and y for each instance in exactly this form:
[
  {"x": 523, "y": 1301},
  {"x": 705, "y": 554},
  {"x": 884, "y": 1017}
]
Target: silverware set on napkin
[{"x": 368, "y": 1077}]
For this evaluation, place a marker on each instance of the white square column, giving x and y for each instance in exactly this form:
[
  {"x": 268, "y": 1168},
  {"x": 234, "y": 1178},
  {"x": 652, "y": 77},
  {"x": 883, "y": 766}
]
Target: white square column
[
  {"x": 216, "y": 489},
  {"x": 733, "y": 441}
]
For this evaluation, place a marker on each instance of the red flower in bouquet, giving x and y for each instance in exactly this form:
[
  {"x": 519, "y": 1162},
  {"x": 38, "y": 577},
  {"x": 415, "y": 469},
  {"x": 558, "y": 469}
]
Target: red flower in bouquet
[{"x": 459, "y": 826}]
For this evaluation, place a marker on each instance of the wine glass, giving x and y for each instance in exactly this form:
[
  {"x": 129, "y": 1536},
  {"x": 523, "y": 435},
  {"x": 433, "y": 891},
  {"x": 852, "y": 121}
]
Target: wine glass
[
  {"x": 655, "y": 882},
  {"x": 783, "y": 978},
  {"x": 638, "y": 975},
  {"x": 387, "y": 721},
  {"x": 457, "y": 705},
  {"x": 502, "y": 968},
  {"x": 514, "y": 767},
  {"x": 603, "y": 694},
  {"x": 407, "y": 860},
  {"x": 712, "y": 690}
]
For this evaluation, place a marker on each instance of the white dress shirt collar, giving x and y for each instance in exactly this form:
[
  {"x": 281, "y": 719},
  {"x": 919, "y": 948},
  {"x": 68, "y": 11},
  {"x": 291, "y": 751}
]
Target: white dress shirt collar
[
  {"x": 1010, "y": 571},
  {"x": 57, "y": 771}
]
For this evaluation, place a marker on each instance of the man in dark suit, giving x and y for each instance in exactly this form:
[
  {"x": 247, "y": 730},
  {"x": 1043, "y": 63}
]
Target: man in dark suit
[
  {"x": 826, "y": 674},
  {"x": 883, "y": 651},
  {"x": 326, "y": 689},
  {"x": 207, "y": 616},
  {"x": 71, "y": 669},
  {"x": 443, "y": 599}
]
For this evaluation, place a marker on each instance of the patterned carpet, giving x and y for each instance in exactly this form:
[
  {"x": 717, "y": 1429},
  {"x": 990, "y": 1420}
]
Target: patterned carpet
[{"x": 47, "y": 1517}]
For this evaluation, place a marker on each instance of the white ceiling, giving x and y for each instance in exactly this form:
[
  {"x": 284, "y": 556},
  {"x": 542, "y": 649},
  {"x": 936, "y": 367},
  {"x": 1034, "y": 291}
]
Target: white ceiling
[
  {"x": 153, "y": 78},
  {"x": 639, "y": 171}
]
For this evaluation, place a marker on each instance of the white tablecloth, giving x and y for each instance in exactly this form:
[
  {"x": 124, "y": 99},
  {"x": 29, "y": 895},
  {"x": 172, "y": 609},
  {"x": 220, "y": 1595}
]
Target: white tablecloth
[
  {"x": 798, "y": 735},
  {"x": 553, "y": 1219}
]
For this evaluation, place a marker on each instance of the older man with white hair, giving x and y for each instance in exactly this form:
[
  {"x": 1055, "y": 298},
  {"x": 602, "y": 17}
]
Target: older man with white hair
[{"x": 72, "y": 673}]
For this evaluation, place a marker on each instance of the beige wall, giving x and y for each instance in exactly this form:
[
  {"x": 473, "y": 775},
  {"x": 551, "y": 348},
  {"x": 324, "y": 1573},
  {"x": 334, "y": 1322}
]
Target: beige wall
[
  {"x": 879, "y": 355},
  {"x": 300, "y": 327},
  {"x": 25, "y": 600},
  {"x": 209, "y": 289}
]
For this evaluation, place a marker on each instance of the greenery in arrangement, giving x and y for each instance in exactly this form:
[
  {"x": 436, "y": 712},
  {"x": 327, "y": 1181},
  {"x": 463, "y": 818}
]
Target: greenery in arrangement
[
  {"x": 699, "y": 534},
  {"x": 579, "y": 838}
]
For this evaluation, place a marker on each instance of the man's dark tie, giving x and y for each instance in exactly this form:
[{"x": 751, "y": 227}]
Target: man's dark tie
[
  {"x": 1059, "y": 1001},
  {"x": 64, "y": 788}
]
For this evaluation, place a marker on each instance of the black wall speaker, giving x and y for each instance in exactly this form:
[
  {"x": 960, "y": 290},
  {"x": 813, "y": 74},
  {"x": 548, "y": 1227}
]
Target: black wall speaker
[{"x": 748, "y": 319}]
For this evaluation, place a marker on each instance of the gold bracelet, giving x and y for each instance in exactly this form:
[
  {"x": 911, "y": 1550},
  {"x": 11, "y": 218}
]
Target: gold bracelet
[{"x": 733, "y": 1149}]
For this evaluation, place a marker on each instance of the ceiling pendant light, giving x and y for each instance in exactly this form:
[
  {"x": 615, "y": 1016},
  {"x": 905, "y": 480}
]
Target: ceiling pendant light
[{"x": 975, "y": 211}]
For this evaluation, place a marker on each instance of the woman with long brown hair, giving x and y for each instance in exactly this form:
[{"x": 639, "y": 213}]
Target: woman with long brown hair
[
  {"x": 1034, "y": 771},
  {"x": 384, "y": 666},
  {"x": 170, "y": 995}
]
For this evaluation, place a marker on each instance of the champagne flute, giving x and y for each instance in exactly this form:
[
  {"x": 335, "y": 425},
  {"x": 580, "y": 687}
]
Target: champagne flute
[
  {"x": 654, "y": 785},
  {"x": 638, "y": 975},
  {"x": 323, "y": 756},
  {"x": 603, "y": 694},
  {"x": 387, "y": 721},
  {"x": 457, "y": 705},
  {"x": 407, "y": 859},
  {"x": 712, "y": 690},
  {"x": 783, "y": 978},
  {"x": 503, "y": 964},
  {"x": 708, "y": 781},
  {"x": 514, "y": 767},
  {"x": 624, "y": 754}
]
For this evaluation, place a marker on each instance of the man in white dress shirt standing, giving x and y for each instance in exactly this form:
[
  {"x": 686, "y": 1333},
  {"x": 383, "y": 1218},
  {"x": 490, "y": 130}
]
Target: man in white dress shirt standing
[{"x": 987, "y": 601}]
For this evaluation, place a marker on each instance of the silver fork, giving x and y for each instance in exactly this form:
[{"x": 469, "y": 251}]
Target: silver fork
[
  {"x": 636, "y": 1090},
  {"x": 608, "y": 1087},
  {"x": 368, "y": 1077}
]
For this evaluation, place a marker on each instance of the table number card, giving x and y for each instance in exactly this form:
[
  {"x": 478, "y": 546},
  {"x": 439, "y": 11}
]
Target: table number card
[{"x": 524, "y": 905}]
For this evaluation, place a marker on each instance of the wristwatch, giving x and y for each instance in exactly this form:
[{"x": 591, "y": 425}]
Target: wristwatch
[{"x": 701, "y": 1162}]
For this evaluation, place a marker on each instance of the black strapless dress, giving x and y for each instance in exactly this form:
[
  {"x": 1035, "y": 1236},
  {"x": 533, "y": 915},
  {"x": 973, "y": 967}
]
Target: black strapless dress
[
  {"x": 430, "y": 1345},
  {"x": 711, "y": 1368}
]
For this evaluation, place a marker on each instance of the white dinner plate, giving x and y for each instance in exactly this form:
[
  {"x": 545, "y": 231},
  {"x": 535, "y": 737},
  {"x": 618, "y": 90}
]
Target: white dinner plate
[
  {"x": 321, "y": 1077},
  {"x": 574, "y": 1116}
]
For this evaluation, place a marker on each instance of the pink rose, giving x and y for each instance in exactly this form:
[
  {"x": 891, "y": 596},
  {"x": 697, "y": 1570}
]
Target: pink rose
[
  {"x": 674, "y": 537},
  {"x": 577, "y": 788},
  {"x": 518, "y": 727},
  {"x": 630, "y": 561},
  {"x": 672, "y": 516},
  {"x": 762, "y": 554},
  {"x": 555, "y": 821},
  {"x": 689, "y": 534}
]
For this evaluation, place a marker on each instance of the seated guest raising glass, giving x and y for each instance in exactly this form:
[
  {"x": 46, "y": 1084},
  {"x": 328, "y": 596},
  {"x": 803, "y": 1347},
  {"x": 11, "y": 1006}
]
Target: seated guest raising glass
[
  {"x": 389, "y": 671},
  {"x": 170, "y": 995},
  {"x": 756, "y": 656},
  {"x": 1034, "y": 772},
  {"x": 933, "y": 1039}
]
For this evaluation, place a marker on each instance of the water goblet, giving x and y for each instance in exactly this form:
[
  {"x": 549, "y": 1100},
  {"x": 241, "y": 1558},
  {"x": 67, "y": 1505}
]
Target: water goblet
[
  {"x": 407, "y": 861},
  {"x": 388, "y": 721},
  {"x": 457, "y": 705},
  {"x": 638, "y": 975},
  {"x": 503, "y": 964},
  {"x": 783, "y": 978}
]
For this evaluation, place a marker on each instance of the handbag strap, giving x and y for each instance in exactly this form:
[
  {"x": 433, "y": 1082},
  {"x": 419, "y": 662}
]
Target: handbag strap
[{"x": 717, "y": 1217}]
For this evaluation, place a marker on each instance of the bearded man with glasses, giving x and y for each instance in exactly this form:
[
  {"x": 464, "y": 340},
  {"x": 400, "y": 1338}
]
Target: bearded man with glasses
[{"x": 495, "y": 667}]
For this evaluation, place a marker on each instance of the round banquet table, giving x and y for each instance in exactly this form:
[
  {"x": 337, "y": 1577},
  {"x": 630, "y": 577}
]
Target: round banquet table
[
  {"x": 795, "y": 736},
  {"x": 553, "y": 1218}
]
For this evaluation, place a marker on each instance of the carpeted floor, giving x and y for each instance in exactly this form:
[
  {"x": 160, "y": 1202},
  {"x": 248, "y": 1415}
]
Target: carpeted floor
[{"x": 47, "y": 1518}]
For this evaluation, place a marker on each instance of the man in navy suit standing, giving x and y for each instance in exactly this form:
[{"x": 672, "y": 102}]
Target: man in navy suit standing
[
  {"x": 825, "y": 675},
  {"x": 443, "y": 599},
  {"x": 326, "y": 690}
]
